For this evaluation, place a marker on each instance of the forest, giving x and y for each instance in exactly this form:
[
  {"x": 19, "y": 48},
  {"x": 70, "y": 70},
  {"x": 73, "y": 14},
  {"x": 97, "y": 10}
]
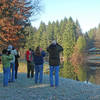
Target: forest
[
  {"x": 16, "y": 29},
  {"x": 76, "y": 44}
]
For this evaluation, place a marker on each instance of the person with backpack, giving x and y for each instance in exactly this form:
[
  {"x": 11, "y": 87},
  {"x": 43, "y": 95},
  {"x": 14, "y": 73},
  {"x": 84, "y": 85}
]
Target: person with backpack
[
  {"x": 30, "y": 66},
  {"x": 54, "y": 50},
  {"x": 6, "y": 58},
  {"x": 12, "y": 63},
  {"x": 38, "y": 60}
]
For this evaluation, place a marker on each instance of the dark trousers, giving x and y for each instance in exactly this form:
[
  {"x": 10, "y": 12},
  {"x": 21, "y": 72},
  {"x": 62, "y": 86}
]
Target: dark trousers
[
  {"x": 16, "y": 71},
  {"x": 30, "y": 69}
]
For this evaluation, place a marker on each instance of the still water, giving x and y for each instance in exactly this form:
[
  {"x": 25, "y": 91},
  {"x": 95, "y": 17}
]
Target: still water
[
  {"x": 89, "y": 74},
  {"x": 93, "y": 74}
]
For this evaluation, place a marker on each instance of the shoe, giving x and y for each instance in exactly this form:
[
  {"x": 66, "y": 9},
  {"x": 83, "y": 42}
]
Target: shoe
[
  {"x": 5, "y": 85},
  {"x": 36, "y": 83},
  {"x": 51, "y": 85},
  {"x": 56, "y": 86},
  {"x": 9, "y": 81}
]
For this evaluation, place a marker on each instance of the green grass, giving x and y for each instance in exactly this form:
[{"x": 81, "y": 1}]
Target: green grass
[
  {"x": 23, "y": 67},
  {"x": 0, "y": 67}
]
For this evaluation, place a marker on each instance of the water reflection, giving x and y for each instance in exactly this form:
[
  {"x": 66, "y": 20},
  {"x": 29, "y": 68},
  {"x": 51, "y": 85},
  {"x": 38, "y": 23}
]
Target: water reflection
[
  {"x": 89, "y": 74},
  {"x": 94, "y": 75}
]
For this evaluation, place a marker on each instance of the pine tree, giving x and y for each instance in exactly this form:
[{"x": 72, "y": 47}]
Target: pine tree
[
  {"x": 69, "y": 38},
  {"x": 78, "y": 30}
]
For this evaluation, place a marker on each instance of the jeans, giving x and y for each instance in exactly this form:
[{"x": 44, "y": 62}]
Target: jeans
[
  {"x": 56, "y": 70},
  {"x": 5, "y": 75},
  {"x": 12, "y": 72},
  {"x": 38, "y": 73}
]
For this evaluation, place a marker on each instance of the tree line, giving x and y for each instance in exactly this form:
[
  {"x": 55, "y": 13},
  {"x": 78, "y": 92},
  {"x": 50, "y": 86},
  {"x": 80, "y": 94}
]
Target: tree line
[
  {"x": 16, "y": 29},
  {"x": 68, "y": 33}
]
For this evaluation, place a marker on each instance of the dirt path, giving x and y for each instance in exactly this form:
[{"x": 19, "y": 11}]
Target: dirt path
[{"x": 25, "y": 89}]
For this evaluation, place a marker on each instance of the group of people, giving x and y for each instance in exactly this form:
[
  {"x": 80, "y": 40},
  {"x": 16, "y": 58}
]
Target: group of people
[
  {"x": 10, "y": 64},
  {"x": 35, "y": 61}
]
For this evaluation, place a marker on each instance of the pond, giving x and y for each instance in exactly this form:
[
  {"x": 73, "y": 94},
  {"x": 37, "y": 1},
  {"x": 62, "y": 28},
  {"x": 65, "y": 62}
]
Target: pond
[
  {"x": 93, "y": 74},
  {"x": 89, "y": 74}
]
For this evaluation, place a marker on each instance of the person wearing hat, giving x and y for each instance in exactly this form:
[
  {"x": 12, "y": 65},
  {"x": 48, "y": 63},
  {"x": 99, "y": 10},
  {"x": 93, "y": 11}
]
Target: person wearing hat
[
  {"x": 54, "y": 50},
  {"x": 6, "y": 58},
  {"x": 12, "y": 63}
]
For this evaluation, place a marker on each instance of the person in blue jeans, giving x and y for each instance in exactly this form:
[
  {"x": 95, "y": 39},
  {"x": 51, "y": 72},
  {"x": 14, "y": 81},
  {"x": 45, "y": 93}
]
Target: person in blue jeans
[
  {"x": 12, "y": 63},
  {"x": 6, "y": 58},
  {"x": 54, "y": 50},
  {"x": 39, "y": 54}
]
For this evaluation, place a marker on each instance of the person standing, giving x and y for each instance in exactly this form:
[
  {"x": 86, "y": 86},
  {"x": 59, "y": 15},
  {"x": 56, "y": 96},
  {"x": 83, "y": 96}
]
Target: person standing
[
  {"x": 54, "y": 50},
  {"x": 32, "y": 63},
  {"x": 29, "y": 58},
  {"x": 6, "y": 58},
  {"x": 12, "y": 63},
  {"x": 38, "y": 60},
  {"x": 16, "y": 64}
]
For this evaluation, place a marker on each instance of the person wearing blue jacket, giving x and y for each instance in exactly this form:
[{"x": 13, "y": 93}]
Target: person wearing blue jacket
[{"x": 38, "y": 61}]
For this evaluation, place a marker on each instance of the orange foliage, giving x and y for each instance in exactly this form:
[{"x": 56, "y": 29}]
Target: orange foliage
[
  {"x": 8, "y": 16},
  {"x": 77, "y": 59}
]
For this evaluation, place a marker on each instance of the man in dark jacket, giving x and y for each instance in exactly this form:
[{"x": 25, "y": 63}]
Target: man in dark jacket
[{"x": 54, "y": 61}]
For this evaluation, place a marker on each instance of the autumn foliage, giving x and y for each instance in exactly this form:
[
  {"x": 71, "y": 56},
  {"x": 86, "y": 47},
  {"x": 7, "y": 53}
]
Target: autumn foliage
[
  {"x": 77, "y": 59},
  {"x": 14, "y": 15}
]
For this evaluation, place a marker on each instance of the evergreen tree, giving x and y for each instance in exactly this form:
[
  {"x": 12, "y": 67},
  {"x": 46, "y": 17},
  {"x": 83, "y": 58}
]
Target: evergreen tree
[
  {"x": 69, "y": 38},
  {"x": 67, "y": 71},
  {"x": 78, "y": 30},
  {"x": 56, "y": 31},
  {"x": 50, "y": 32},
  {"x": 29, "y": 33},
  {"x": 39, "y": 34},
  {"x": 62, "y": 29},
  {"x": 81, "y": 43},
  {"x": 92, "y": 33}
]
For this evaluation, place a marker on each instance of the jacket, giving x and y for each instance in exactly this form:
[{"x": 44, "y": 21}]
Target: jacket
[
  {"x": 6, "y": 60},
  {"x": 28, "y": 55},
  {"x": 38, "y": 60},
  {"x": 54, "y": 54}
]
